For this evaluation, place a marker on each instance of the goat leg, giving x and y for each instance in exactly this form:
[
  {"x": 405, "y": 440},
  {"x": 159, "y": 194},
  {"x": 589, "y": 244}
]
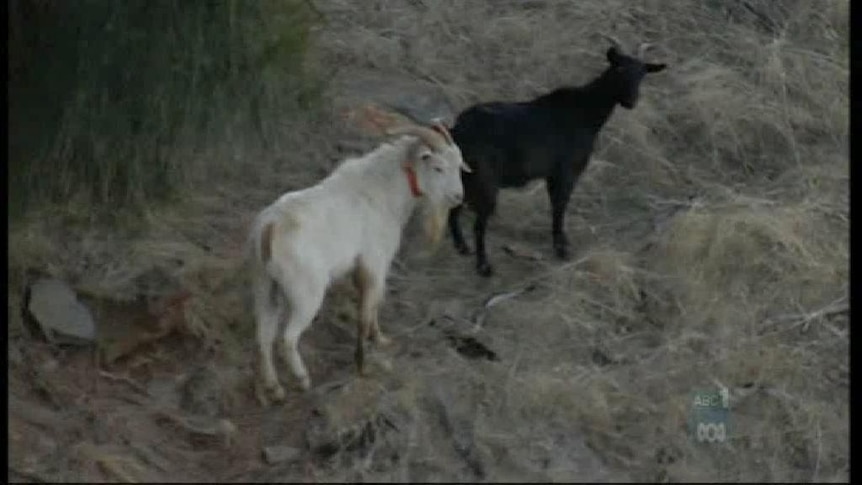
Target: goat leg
[
  {"x": 483, "y": 267},
  {"x": 375, "y": 334},
  {"x": 455, "y": 230},
  {"x": 561, "y": 246},
  {"x": 561, "y": 241},
  {"x": 371, "y": 293},
  {"x": 559, "y": 191},
  {"x": 361, "y": 336}
]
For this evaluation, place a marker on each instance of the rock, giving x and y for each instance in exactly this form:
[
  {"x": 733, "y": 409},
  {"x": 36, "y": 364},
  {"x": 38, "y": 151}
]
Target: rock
[
  {"x": 354, "y": 419},
  {"x": 127, "y": 325},
  {"x": 200, "y": 426},
  {"x": 203, "y": 392},
  {"x": 166, "y": 391},
  {"x": 469, "y": 346},
  {"x": 56, "y": 309},
  {"x": 420, "y": 100},
  {"x": 279, "y": 454},
  {"x": 49, "y": 366}
]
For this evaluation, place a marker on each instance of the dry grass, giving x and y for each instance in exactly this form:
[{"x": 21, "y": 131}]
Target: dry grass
[{"x": 711, "y": 235}]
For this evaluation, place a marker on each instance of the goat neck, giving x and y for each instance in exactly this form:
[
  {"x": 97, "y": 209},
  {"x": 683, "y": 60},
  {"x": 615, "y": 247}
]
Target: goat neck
[
  {"x": 598, "y": 99},
  {"x": 398, "y": 198}
]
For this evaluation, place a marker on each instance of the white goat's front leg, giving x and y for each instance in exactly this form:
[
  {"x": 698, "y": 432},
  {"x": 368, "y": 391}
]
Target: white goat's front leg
[
  {"x": 268, "y": 309},
  {"x": 304, "y": 300},
  {"x": 371, "y": 290},
  {"x": 374, "y": 294},
  {"x": 374, "y": 298},
  {"x": 376, "y": 335}
]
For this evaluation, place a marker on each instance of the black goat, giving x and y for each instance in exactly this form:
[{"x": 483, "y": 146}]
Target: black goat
[{"x": 550, "y": 137}]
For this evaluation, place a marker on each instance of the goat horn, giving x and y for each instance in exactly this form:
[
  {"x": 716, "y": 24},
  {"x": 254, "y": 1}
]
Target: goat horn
[
  {"x": 642, "y": 49},
  {"x": 438, "y": 126},
  {"x": 614, "y": 41},
  {"x": 430, "y": 137}
]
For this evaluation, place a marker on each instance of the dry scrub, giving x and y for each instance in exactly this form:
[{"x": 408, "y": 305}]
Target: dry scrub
[{"x": 710, "y": 241}]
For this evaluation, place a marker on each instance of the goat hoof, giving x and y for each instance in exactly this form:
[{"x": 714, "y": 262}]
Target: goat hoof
[
  {"x": 562, "y": 253},
  {"x": 463, "y": 249},
  {"x": 382, "y": 340},
  {"x": 278, "y": 393},
  {"x": 305, "y": 383},
  {"x": 561, "y": 249},
  {"x": 269, "y": 394},
  {"x": 260, "y": 394},
  {"x": 484, "y": 269}
]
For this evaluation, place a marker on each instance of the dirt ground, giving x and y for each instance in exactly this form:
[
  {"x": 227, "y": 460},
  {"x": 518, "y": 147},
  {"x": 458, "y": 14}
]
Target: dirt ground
[{"x": 710, "y": 250}]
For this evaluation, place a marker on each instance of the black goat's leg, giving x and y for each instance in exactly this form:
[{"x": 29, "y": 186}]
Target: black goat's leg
[
  {"x": 559, "y": 191},
  {"x": 561, "y": 241},
  {"x": 483, "y": 267},
  {"x": 455, "y": 230}
]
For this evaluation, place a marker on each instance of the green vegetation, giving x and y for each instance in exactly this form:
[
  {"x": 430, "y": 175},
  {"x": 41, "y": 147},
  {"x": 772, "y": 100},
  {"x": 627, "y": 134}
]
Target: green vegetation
[{"x": 111, "y": 100}]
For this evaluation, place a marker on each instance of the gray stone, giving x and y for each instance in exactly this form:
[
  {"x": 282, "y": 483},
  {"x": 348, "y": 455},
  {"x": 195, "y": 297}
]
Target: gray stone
[
  {"x": 279, "y": 454},
  {"x": 49, "y": 366},
  {"x": 359, "y": 421},
  {"x": 203, "y": 392},
  {"x": 417, "y": 99},
  {"x": 165, "y": 390},
  {"x": 59, "y": 313}
]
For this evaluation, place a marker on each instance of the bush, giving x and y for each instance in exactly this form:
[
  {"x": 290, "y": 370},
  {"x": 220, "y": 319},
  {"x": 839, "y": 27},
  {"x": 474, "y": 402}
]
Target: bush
[{"x": 103, "y": 94}]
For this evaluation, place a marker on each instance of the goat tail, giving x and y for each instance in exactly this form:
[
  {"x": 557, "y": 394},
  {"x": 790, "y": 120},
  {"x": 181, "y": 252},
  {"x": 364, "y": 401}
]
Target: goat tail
[
  {"x": 259, "y": 245},
  {"x": 271, "y": 231},
  {"x": 265, "y": 243}
]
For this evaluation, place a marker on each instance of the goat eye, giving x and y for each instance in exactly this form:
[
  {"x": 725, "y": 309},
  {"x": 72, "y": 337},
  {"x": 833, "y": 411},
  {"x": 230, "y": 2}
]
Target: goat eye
[
  {"x": 425, "y": 156},
  {"x": 438, "y": 169}
]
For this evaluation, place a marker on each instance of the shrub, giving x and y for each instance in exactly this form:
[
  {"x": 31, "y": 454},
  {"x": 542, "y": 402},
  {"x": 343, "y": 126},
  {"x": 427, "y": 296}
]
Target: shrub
[{"x": 107, "y": 98}]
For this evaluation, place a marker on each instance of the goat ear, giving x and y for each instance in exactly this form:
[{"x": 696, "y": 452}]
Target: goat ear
[{"x": 655, "y": 67}]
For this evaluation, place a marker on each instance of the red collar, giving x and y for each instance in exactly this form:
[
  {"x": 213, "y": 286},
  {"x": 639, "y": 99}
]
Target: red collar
[{"x": 411, "y": 179}]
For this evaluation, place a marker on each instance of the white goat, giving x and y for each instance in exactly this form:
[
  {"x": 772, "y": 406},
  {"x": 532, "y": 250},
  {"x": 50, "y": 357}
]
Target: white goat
[{"x": 351, "y": 221}]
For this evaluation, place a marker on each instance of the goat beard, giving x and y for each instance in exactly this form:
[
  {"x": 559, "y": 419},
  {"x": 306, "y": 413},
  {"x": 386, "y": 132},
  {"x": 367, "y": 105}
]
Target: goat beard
[{"x": 434, "y": 224}]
